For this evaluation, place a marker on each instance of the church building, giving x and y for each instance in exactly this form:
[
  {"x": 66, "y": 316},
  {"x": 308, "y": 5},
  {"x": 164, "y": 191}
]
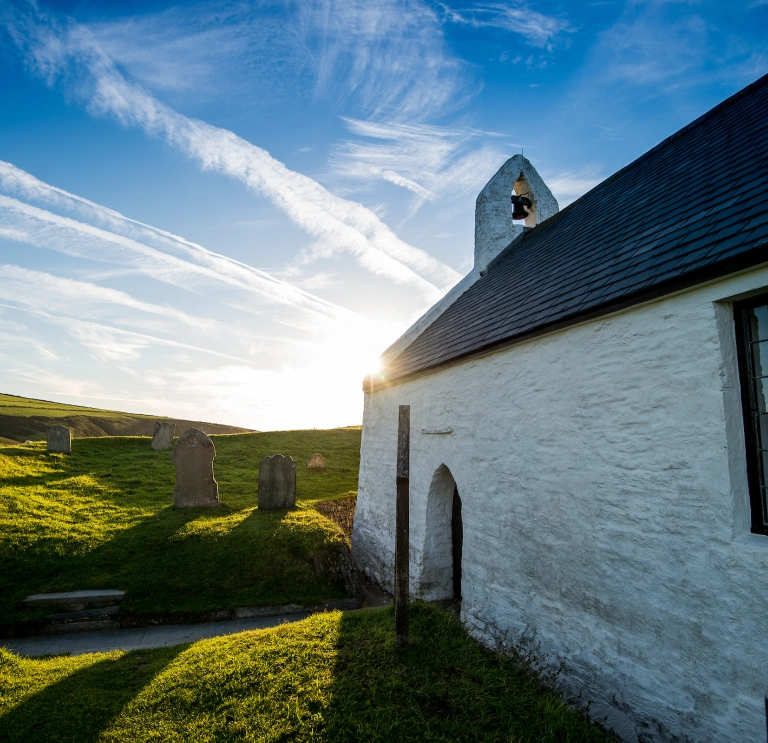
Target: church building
[{"x": 589, "y": 433}]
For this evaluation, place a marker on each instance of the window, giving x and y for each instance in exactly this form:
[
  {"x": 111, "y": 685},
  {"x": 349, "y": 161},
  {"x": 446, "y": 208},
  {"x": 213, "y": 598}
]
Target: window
[{"x": 752, "y": 338}]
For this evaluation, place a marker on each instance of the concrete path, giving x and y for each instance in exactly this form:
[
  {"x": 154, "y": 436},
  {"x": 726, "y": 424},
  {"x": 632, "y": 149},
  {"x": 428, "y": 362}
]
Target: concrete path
[{"x": 140, "y": 638}]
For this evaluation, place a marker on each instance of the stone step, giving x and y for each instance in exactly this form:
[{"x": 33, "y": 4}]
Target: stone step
[
  {"x": 104, "y": 612},
  {"x": 76, "y": 600}
]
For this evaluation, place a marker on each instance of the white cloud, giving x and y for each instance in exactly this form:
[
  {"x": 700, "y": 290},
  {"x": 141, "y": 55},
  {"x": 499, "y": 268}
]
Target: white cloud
[
  {"x": 570, "y": 185},
  {"x": 37, "y": 289},
  {"x": 389, "y": 55},
  {"x": 335, "y": 224},
  {"x": 537, "y": 29},
  {"x": 431, "y": 161}
]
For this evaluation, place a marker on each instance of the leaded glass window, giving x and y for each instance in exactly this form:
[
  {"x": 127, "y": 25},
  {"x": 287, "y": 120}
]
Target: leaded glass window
[{"x": 752, "y": 331}]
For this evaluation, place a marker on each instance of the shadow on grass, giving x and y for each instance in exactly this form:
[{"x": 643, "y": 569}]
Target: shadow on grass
[
  {"x": 181, "y": 574},
  {"x": 80, "y": 706},
  {"x": 443, "y": 687},
  {"x": 84, "y": 534}
]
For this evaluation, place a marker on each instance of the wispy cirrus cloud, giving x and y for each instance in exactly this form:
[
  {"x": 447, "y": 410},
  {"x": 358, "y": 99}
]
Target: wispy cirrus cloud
[
  {"x": 428, "y": 160},
  {"x": 45, "y": 229},
  {"x": 536, "y": 28},
  {"x": 55, "y": 47},
  {"x": 386, "y": 57},
  {"x": 89, "y": 230},
  {"x": 40, "y": 289},
  {"x": 376, "y": 57}
]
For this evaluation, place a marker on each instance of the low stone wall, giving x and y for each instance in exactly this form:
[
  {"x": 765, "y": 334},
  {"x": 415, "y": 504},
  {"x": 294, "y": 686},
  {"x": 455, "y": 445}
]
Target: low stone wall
[{"x": 341, "y": 512}]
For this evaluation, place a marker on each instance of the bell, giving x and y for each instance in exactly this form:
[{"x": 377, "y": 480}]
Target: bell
[{"x": 518, "y": 206}]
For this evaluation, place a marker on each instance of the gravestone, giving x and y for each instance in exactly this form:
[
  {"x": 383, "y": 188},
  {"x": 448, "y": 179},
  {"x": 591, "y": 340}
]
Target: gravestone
[
  {"x": 193, "y": 456},
  {"x": 59, "y": 439},
  {"x": 163, "y": 436},
  {"x": 316, "y": 462},
  {"x": 277, "y": 482}
]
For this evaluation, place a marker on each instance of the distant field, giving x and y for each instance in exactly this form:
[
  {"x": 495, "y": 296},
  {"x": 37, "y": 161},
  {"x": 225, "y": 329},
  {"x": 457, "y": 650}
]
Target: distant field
[
  {"x": 23, "y": 418},
  {"x": 103, "y": 517},
  {"x": 334, "y": 677}
]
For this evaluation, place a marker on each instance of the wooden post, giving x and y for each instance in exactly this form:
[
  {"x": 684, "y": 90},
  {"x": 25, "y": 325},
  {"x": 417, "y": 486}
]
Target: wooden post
[{"x": 402, "y": 526}]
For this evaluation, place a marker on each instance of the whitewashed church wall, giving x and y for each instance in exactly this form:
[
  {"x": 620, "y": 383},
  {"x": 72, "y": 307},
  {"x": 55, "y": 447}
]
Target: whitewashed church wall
[{"x": 605, "y": 511}]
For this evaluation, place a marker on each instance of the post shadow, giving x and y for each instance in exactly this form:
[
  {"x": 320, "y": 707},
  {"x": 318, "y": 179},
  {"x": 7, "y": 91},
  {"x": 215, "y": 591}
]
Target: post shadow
[{"x": 82, "y": 705}]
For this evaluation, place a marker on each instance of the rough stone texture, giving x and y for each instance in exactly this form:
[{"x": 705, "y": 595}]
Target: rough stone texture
[
  {"x": 163, "y": 436},
  {"x": 605, "y": 508},
  {"x": 316, "y": 462},
  {"x": 341, "y": 511},
  {"x": 338, "y": 565},
  {"x": 494, "y": 226},
  {"x": 277, "y": 482},
  {"x": 59, "y": 439},
  {"x": 193, "y": 455}
]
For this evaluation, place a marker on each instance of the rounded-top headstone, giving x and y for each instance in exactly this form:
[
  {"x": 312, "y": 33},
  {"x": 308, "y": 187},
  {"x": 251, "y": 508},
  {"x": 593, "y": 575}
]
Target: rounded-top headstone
[
  {"x": 277, "y": 482},
  {"x": 316, "y": 462},
  {"x": 163, "y": 436},
  {"x": 193, "y": 455},
  {"x": 59, "y": 439}
]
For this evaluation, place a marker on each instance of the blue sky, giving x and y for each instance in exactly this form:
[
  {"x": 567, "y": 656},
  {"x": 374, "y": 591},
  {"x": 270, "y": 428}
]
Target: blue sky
[{"x": 226, "y": 211}]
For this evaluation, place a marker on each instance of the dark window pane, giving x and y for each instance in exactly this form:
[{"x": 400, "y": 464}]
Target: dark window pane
[
  {"x": 760, "y": 359},
  {"x": 757, "y": 320},
  {"x": 765, "y": 504},
  {"x": 762, "y": 431},
  {"x": 761, "y": 395},
  {"x": 752, "y": 327}
]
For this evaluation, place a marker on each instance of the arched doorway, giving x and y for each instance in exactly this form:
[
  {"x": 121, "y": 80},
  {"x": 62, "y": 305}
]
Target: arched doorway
[{"x": 444, "y": 539}]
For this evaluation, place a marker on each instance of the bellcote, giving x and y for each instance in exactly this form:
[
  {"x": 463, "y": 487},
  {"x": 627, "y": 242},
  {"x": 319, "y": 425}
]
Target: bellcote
[{"x": 494, "y": 226}]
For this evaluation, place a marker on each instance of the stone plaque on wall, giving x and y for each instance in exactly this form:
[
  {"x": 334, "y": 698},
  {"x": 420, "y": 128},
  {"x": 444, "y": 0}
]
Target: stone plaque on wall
[
  {"x": 193, "y": 456},
  {"x": 277, "y": 482}
]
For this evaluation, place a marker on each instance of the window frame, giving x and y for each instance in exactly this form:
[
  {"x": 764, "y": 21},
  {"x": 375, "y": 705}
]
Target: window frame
[{"x": 749, "y": 408}]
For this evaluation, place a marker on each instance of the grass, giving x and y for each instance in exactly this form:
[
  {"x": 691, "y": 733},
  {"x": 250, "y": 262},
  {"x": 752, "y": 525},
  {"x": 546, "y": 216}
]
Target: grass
[
  {"x": 103, "y": 517},
  {"x": 333, "y": 677},
  {"x": 28, "y": 406}
]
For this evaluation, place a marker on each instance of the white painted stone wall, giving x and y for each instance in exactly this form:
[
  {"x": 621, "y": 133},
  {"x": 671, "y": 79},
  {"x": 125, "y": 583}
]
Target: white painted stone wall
[{"x": 605, "y": 509}]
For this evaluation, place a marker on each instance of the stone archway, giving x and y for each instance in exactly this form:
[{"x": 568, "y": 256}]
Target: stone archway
[{"x": 444, "y": 536}]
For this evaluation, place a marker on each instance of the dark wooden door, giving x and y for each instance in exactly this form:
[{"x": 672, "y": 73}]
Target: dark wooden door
[{"x": 457, "y": 540}]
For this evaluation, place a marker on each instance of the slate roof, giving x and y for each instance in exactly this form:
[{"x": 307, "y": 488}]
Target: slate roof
[{"x": 693, "y": 208}]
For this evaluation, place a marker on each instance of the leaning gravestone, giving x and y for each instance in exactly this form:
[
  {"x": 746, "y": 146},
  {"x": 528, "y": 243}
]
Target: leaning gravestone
[
  {"x": 193, "y": 456},
  {"x": 316, "y": 462},
  {"x": 60, "y": 439},
  {"x": 163, "y": 436},
  {"x": 277, "y": 482}
]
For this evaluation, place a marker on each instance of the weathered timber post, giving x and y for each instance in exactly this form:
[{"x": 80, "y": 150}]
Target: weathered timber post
[{"x": 402, "y": 526}]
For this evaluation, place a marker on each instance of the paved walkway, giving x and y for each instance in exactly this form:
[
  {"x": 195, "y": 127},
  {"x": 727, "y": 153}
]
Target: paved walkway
[{"x": 138, "y": 638}]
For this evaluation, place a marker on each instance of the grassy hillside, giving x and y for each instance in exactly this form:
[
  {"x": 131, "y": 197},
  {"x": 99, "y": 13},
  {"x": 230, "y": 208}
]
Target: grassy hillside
[
  {"x": 332, "y": 677},
  {"x": 103, "y": 517},
  {"x": 23, "y": 418}
]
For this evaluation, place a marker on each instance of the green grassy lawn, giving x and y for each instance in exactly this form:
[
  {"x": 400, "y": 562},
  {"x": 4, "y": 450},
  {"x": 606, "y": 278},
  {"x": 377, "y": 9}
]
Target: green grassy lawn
[
  {"x": 333, "y": 677},
  {"x": 103, "y": 517}
]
